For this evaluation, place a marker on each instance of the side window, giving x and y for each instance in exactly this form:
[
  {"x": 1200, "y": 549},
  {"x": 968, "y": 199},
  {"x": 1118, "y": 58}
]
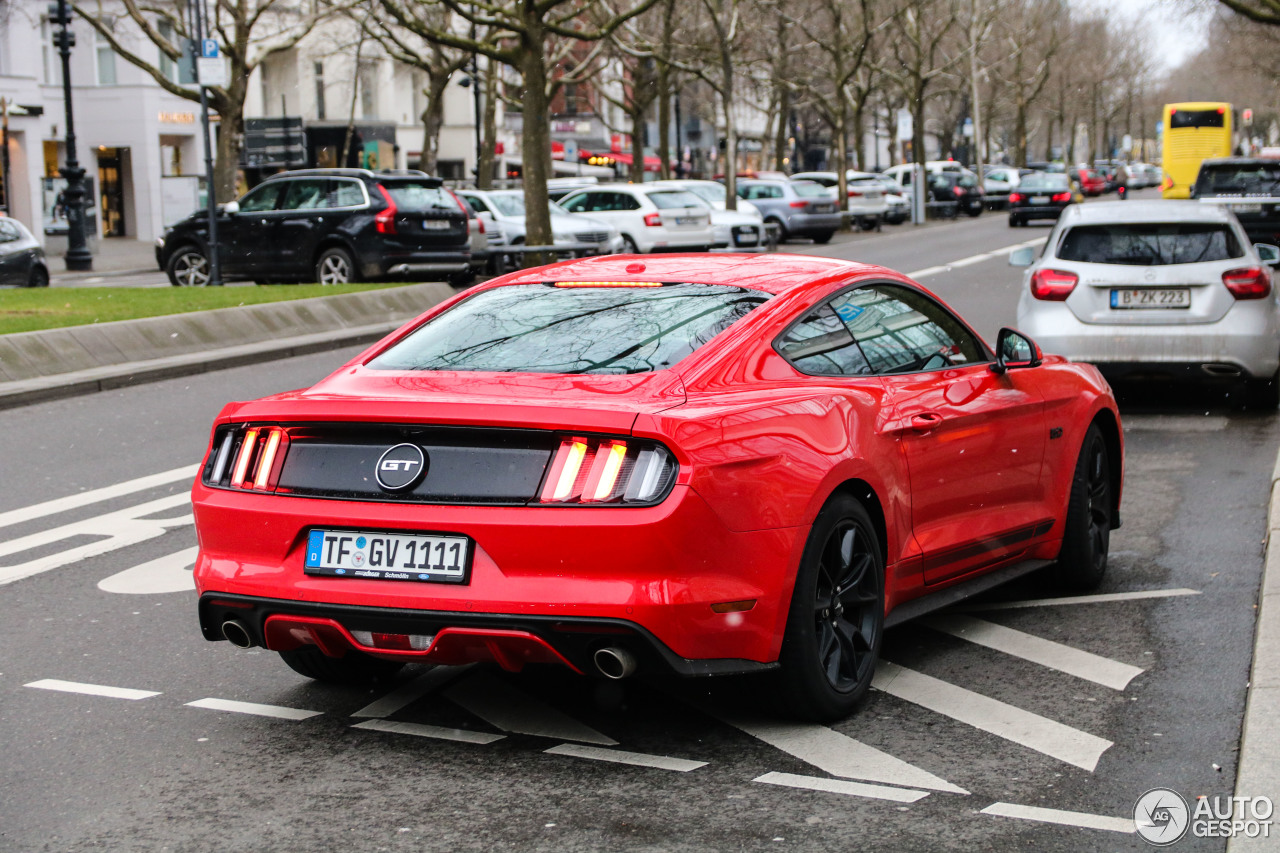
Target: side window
[
  {"x": 305, "y": 194},
  {"x": 476, "y": 202},
  {"x": 261, "y": 198},
  {"x": 902, "y": 331},
  {"x": 344, "y": 194},
  {"x": 580, "y": 203},
  {"x": 821, "y": 345},
  {"x": 627, "y": 202},
  {"x": 7, "y": 232},
  {"x": 774, "y": 192}
]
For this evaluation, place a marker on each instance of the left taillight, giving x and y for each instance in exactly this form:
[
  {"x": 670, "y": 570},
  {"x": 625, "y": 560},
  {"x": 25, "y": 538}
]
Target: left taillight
[
  {"x": 247, "y": 457},
  {"x": 593, "y": 471}
]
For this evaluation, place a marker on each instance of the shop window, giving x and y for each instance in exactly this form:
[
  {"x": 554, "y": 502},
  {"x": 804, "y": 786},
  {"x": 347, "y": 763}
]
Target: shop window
[{"x": 106, "y": 60}]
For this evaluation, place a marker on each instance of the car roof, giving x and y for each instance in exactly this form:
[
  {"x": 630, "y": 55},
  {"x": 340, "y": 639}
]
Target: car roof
[
  {"x": 1239, "y": 161},
  {"x": 770, "y": 273},
  {"x": 1146, "y": 211}
]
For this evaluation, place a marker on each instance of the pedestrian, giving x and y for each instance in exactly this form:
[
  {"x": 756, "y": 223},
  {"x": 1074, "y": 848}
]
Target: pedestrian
[{"x": 1122, "y": 181}]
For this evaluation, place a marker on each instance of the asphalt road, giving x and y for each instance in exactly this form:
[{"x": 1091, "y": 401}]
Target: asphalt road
[{"x": 1008, "y": 703}]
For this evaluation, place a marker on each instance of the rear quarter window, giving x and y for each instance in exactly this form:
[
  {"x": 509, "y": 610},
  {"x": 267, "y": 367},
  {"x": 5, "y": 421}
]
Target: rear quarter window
[
  {"x": 1149, "y": 244},
  {"x": 411, "y": 196},
  {"x": 669, "y": 199}
]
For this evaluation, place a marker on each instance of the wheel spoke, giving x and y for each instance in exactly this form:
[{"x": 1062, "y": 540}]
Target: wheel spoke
[{"x": 855, "y": 577}]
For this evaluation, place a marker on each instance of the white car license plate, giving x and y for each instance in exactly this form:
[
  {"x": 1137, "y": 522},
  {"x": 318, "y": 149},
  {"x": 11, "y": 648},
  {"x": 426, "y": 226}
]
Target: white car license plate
[
  {"x": 1246, "y": 208},
  {"x": 1040, "y": 199},
  {"x": 1151, "y": 297},
  {"x": 388, "y": 556},
  {"x": 437, "y": 224}
]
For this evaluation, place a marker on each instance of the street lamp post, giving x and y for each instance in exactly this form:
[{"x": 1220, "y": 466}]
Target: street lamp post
[{"x": 77, "y": 258}]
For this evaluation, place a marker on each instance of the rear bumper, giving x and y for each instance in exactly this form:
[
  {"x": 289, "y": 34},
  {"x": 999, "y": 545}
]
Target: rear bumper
[
  {"x": 657, "y": 568},
  {"x": 814, "y": 223},
  {"x": 1038, "y": 211},
  {"x": 1246, "y": 340}
]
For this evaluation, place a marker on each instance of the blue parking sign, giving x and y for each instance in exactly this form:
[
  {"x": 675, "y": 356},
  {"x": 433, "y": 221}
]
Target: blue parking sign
[{"x": 209, "y": 48}]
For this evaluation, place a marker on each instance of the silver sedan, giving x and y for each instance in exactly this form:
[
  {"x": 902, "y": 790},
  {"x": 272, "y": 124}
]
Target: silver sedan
[{"x": 1159, "y": 290}]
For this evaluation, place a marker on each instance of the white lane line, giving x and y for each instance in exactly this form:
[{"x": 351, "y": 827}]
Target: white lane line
[
  {"x": 1074, "y": 599},
  {"x": 410, "y": 692},
  {"x": 277, "y": 711},
  {"x": 973, "y": 259},
  {"x": 1174, "y": 423},
  {"x": 840, "y": 786},
  {"x": 504, "y": 707},
  {"x": 618, "y": 756},
  {"x": 840, "y": 755},
  {"x": 435, "y": 732},
  {"x": 993, "y": 716},
  {"x": 170, "y": 573},
  {"x": 1065, "y": 818},
  {"x": 40, "y": 510},
  {"x": 1064, "y": 658},
  {"x": 92, "y": 689},
  {"x": 118, "y": 529}
]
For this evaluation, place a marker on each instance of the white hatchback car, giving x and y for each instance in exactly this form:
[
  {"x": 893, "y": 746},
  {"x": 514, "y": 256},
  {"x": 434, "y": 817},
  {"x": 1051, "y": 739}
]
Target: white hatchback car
[
  {"x": 1159, "y": 290},
  {"x": 741, "y": 230},
  {"x": 649, "y": 218}
]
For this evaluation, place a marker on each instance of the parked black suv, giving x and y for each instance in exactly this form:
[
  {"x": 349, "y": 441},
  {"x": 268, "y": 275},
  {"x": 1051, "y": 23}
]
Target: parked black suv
[
  {"x": 327, "y": 225},
  {"x": 1250, "y": 187}
]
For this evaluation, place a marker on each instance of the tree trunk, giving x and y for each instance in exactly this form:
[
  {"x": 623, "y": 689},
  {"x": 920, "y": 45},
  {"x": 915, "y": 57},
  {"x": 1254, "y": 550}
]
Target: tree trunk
[
  {"x": 860, "y": 135},
  {"x": 840, "y": 130},
  {"x": 432, "y": 121},
  {"x": 664, "y": 122},
  {"x": 920, "y": 178},
  {"x": 536, "y": 145},
  {"x": 1020, "y": 135},
  {"x": 781, "y": 150},
  {"x": 226, "y": 166},
  {"x": 635, "y": 112},
  {"x": 489, "y": 134}
]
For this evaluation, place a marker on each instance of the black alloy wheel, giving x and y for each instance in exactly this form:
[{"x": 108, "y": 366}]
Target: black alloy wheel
[
  {"x": 836, "y": 621},
  {"x": 1087, "y": 535}
]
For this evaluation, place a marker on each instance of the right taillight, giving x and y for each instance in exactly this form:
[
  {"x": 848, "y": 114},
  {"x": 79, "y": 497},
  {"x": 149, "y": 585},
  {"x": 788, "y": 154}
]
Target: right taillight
[
  {"x": 1248, "y": 282},
  {"x": 1062, "y": 196},
  {"x": 607, "y": 471},
  {"x": 1053, "y": 285},
  {"x": 385, "y": 221}
]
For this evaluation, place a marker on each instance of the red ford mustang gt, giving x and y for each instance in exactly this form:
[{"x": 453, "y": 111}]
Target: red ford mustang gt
[{"x": 703, "y": 464}]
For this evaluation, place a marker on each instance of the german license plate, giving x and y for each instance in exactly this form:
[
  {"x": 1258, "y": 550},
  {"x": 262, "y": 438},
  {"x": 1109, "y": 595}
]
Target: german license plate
[
  {"x": 823, "y": 208},
  {"x": 437, "y": 224},
  {"x": 686, "y": 220},
  {"x": 1040, "y": 199},
  {"x": 1247, "y": 208},
  {"x": 746, "y": 237},
  {"x": 1151, "y": 297},
  {"x": 388, "y": 556}
]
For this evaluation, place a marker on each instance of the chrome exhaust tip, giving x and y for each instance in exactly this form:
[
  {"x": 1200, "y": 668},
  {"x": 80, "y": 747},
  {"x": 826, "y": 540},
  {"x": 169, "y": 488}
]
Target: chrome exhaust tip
[
  {"x": 237, "y": 633},
  {"x": 614, "y": 663}
]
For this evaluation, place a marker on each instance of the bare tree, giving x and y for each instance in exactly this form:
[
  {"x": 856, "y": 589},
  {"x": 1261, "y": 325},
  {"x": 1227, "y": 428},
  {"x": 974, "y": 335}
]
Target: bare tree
[
  {"x": 249, "y": 31},
  {"x": 1262, "y": 11},
  {"x": 524, "y": 37}
]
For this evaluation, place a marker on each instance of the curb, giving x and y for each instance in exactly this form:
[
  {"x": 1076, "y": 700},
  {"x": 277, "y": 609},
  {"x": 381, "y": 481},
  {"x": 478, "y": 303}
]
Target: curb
[
  {"x": 66, "y": 362},
  {"x": 1258, "y": 773}
]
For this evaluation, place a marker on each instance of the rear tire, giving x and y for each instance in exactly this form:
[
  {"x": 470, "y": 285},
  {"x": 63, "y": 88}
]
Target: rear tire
[
  {"x": 38, "y": 277},
  {"x": 1016, "y": 222},
  {"x": 354, "y": 668},
  {"x": 836, "y": 620},
  {"x": 825, "y": 237},
  {"x": 1087, "y": 535},
  {"x": 335, "y": 266},
  {"x": 629, "y": 246},
  {"x": 1263, "y": 394},
  {"x": 782, "y": 229}
]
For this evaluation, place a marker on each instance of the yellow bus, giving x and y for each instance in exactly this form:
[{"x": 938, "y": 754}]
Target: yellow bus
[{"x": 1192, "y": 132}]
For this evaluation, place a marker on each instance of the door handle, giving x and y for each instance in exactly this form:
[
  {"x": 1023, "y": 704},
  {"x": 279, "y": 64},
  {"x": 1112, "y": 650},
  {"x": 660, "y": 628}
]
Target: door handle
[{"x": 925, "y": 421}]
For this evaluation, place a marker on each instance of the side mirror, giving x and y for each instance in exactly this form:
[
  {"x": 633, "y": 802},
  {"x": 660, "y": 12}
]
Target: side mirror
[
  {"x": 1015, "y": 350},
  {"x": 1023, "y": 257},
  {"x": 1269, "y": 254},
  {"x": 229, "y": 208}
]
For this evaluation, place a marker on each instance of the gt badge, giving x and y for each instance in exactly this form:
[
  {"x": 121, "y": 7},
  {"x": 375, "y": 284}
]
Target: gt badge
[{"x": 401, "y": 468}]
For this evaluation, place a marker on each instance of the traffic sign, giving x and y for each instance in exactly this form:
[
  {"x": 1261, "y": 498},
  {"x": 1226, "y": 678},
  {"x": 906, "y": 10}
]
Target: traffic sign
[
  {"x": 209, "y": 48},
  {"x": 571, "y": 151},
  {"x": 213, "y": 72}
]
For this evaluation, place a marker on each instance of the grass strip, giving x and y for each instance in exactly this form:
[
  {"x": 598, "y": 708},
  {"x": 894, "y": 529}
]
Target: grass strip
[{"x": 31, "y": 310}]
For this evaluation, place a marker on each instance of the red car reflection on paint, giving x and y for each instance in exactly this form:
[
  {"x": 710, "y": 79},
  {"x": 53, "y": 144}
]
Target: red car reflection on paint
[{"x": 708, "y": 464}]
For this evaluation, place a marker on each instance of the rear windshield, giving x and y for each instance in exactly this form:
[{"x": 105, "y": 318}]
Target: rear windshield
[
  {"x": 668, "y": 199},
  {"x": 410, "y": 196},
  {"x": 708, "y": 192},
  {"x": 1197, "y": 118},
  {"x": 1227, "y": 179},
  {"x": 508, "y": 205},
  {"x": 1044, "y": 182},
  {"x": 1149, "y": 244},
  {"x": 540, "y": 328},
  {"x": 809, "y": 189}
]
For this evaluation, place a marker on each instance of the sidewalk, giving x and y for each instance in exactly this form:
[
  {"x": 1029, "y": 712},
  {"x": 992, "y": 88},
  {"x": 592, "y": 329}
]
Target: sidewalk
[{"x": 112, "y": 256}]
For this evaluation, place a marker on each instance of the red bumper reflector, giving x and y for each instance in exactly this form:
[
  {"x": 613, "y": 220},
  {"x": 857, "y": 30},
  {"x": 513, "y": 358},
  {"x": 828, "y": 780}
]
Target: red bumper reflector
[{"x": 733, "y": 606}]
